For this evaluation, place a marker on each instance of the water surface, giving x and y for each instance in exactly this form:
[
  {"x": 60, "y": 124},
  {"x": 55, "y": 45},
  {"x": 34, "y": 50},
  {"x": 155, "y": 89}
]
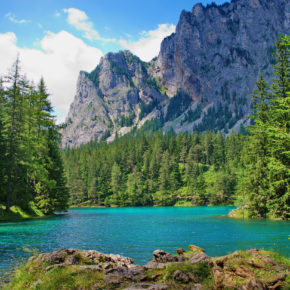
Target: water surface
[{"x": 137, "y": 232}]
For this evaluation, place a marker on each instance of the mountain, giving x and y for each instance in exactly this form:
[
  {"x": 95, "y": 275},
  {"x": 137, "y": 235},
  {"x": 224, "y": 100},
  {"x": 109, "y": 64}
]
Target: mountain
[{"x": 202, "y": 78}]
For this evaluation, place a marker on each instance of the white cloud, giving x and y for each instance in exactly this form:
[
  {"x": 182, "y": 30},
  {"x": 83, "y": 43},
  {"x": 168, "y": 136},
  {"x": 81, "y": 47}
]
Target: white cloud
[
  {"x": 148, "y": 46},
  {"x": 59, "y": 62},
  {"x": 12, "y": 18},
  {"x": 79, "y": 20}
]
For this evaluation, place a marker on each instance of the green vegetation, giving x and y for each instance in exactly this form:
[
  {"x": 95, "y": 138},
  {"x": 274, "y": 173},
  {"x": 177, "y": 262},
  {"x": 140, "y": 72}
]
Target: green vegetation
[
  {"x": 16, "y": 212},
  {"x": 73, "y": 269},
  {"x": 177, "y": 105},
  {"x": 127, "y": 120},
  {"x": 266, "y": 175},
  {"x": 31, "y": 172},
  {"x": 145, "y": 109},
  {"x": 208, "y": 168},
  {"x": 156, "y": 169}
]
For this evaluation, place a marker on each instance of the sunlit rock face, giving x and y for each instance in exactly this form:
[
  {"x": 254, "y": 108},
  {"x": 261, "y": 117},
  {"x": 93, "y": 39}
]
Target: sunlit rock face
[{"x": 202, "y": 78}]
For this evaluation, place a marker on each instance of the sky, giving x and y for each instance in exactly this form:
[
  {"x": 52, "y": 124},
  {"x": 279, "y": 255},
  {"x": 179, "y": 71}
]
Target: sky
[{"x": 56, "y": 39}]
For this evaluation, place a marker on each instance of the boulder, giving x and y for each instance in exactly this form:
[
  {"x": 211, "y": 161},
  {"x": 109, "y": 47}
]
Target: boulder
[
  {"x": 195, "y": 249},
  {"x": 180, "y": 251},
  {"x": 135, "y": 273},
  {"x": 162, "y": 259},
  {"x": 141, "y": 286},
  {"x": 201, "y": 258},
  {"x": 254, "y": 284}
]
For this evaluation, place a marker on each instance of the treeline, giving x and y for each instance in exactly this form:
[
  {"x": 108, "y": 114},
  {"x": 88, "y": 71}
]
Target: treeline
[
  {"x": 196, "y": 168},
  {"x": 162, "y": 169},
  {"x": 31, "y": 169},
  {"x": 267, "y": 173}
]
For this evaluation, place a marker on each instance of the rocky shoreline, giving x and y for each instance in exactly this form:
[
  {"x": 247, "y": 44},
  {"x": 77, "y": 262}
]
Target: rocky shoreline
[{"x": 193, "y": 269}]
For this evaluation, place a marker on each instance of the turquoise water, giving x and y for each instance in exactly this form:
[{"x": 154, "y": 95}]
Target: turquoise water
[{"x": 137, "y": 232}]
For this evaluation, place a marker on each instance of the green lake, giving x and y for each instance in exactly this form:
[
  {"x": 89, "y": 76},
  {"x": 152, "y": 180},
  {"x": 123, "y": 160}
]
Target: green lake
[{"x": 137, "y": 232}]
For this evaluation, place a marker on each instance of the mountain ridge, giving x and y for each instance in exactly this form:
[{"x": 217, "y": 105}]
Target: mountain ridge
[{"x": 202, "y": 78}]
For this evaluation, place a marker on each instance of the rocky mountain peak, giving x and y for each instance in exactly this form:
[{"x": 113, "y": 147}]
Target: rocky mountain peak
[{"x": 202, "y": 78}]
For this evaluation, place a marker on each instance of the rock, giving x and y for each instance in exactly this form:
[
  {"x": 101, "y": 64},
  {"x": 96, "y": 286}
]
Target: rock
[
  {"x": 56, "y": 257},
  {"x": 195, "y": 249},
  {"x": 148, "y": 286},
  {"x": 278, "y": 285},
  {"x": 253, "y": 264},
  {"x": 279, "y": 277},
  {"x": 155, "y": 265},
  {"x": 243, "y": 271},
  {"x": 160, "y": 256},
  {"x": 72, "y": 259},
  {"x": 180, "y": 251},
  {"x": 253, "y": 251},
  {"x": 196, "y": 287},
  {"x": 254, "y": 284},
  {"x": 219, "y": 275},
  {"x": 156, "y": 276},
  {"x": 162, "y": 259},
  {"x": 181, "y": 277},
  {"x": 213, "y": 58},
  {"x": 90, "y": 267},
  {"x": 201, "y": 258},
  {"x": 185, "y": 277},
  {"x": 269, "y": 260},
  {"x": 135, "y": 273}
]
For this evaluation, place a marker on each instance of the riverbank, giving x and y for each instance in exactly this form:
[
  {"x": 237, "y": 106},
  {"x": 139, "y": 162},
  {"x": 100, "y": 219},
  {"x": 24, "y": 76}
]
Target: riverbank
[
  {"x": 243, "y": 213},
  {"x": 179, "y": 203},
  {"x": 75, "y": 269},
  {"x": 17, "y": 213}
]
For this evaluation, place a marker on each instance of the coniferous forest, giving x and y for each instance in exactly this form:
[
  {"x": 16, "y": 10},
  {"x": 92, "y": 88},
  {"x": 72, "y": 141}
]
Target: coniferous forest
[
  {"x": 145, "y": 168},
  {"x": 31, "y": 170},
  {"x": 196, "y": 168}
]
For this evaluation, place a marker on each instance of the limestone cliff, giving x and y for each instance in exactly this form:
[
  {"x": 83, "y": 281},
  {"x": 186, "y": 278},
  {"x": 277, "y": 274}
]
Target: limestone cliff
[{"x": 202, "y": 78}]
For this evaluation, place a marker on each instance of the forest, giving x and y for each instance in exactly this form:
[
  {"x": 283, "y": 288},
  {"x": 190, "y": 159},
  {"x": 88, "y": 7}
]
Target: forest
[
  {"x": 31, "y": 170},
  {"x": 162, "y": 169},
  {"x": 147, "y": 168}
]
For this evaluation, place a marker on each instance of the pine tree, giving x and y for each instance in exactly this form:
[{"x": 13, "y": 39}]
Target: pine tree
[{"x": 278, "y": 134}]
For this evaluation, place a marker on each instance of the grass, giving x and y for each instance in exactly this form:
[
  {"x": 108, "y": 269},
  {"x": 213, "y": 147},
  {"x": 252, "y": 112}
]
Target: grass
[
  {"x": 185, "y": 203},
  {"x": 200, "y": 270},
  {"x": 35, "y": 274},
  {"x": 244, "y": 214},
  {"x": 239, "y": 214},
  {"x": 16, "y": 212}
]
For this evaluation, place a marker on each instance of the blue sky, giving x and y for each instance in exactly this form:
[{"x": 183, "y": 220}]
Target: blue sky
[{"x": 58, "y": 38}]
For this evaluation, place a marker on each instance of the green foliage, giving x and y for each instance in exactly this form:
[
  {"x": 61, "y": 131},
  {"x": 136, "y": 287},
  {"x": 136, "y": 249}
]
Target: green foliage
[
  {"x": 201, "y": 271},
  {"x": 30, "y": 161},
  {"x": 177, "y": 105},
  {"x": 145, "y": 109},
  {"x": 267, "y": 157},
  {"x": 127, "y": 120},
  {"x": 155, "y": 169},
  {"x": 193, "y": 115}
]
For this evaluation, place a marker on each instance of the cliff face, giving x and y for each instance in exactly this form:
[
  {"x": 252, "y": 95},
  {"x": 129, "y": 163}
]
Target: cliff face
[
  {"x": 202, "y": 78},
  {"x": 109, "y": 100}
]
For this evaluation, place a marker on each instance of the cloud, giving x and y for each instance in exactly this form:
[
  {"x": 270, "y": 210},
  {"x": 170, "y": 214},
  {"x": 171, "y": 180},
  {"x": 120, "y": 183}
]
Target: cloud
[
  {"x": 59, "y": 61},
  {"x": 148, "y": 46},
  {"x": 79, "y": 20},
  {"x": 12, "y": 18}
]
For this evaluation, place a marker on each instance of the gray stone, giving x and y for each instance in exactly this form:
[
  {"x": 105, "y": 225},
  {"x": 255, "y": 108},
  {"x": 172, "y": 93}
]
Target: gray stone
[
  {"x": 201, "y": 258},
  {"x": 215, "y": 56},
  {"x": 148, "y": 286}
]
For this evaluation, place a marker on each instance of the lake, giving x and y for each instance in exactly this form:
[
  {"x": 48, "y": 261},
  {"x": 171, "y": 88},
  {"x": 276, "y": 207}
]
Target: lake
[{"x": 137, "y": 232}]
